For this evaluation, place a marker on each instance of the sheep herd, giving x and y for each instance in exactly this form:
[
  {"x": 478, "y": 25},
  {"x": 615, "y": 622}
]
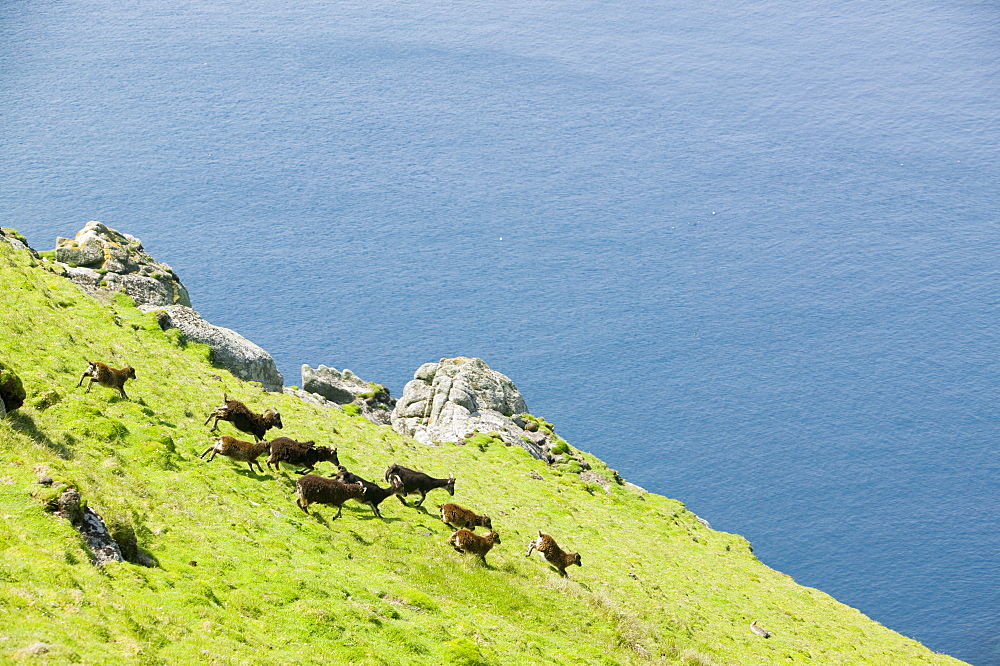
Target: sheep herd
[{"x": 337, "y": 489}]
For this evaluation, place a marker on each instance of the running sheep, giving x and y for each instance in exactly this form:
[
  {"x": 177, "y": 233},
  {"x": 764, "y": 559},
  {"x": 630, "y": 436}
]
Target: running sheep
[
  {"x": 300, "y": 454},
  {"x": 107, "y": 377},
  {"x": 465, "y": 541},
  {"x": 315, "y": 489},
  {"x": 553, "y": 554},
  {"x": 412, "y": 481},
  {"x": 238, "y": 450},
  {"x": 243, "y": 419},
  {"x": 456, "y": 517},
  {"x": 373, "y": 493}
]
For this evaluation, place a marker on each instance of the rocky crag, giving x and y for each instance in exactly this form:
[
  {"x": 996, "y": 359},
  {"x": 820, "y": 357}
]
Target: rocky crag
[
  {"x": 102, "y": 260},
  {"x": 370, "y": 400},
  {"x": 455, "y": 399}
]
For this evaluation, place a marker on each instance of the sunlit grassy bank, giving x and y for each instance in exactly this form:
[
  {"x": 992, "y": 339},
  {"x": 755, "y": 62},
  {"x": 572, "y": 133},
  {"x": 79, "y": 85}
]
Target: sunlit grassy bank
[{"x": 245, "y": 577}]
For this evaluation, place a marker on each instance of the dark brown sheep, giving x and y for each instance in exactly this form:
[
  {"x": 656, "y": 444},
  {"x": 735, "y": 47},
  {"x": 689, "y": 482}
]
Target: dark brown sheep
[
  {"x": 315, "y": 489},
  {"x": 243, "y": 419},
  {"x": 373, "y": 493},
  {"x": 107, "y": 376},
  {"x": 412, "y": 481},
  {"x": 301, "y": 454}
]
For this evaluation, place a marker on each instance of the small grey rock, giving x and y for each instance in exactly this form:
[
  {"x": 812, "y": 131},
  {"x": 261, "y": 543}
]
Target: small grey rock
[{"x": 34, "y": 650}]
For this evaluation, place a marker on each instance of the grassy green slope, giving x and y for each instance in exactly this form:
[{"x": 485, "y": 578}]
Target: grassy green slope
[{"x": 246, "y": 578}]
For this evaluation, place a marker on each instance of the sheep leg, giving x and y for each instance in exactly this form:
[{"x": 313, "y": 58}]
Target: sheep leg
[
  {"x": 531, "y": 547},
  {"x": 85, "y": 374},
  {"x": 122, "y": 390},
  {"x": 378, "y": 514},
  {"x": 206, "y": 420},
  {"x": 339, "y": 509},
  {"x": 305, "y": 470},
  {"x": 257, "y": 462},
  {"x": 402, "y": 500},
  {"x": 299, "y": 502},
  {"x": 206, "y": 451},
  {"x": 90, "y": 385},
  {"x": 423, "y": 496}
]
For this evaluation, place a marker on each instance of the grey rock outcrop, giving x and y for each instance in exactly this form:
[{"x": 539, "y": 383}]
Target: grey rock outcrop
[
  {"x": 341, "y": 387},
  {"x": 91, "y": 526},
  {"x": 230, "y": 350},
  {"x": 344, "y": 387},
  {"x": 311, "y": 398},
  {"x": 100, "y": 258},
  {"x": 448, "y": 400}
]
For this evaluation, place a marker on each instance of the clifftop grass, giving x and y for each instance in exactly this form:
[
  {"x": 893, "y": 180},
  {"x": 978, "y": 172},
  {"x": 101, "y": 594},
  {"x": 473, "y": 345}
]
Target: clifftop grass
[{"x": 245, "y": 577}]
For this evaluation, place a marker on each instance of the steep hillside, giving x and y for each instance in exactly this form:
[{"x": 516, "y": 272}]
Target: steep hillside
[{"x": 245, "y": 577}]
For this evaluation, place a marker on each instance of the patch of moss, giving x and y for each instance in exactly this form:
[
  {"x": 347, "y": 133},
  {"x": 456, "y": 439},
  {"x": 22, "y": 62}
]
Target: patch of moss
[
  {"x": 560, "y": 447},
  {"x": 13, "y": 233},
  {"x": 463, "y": 652},
  {"x": 571, "y": 467},
  {"x": 483, "y": 440}
]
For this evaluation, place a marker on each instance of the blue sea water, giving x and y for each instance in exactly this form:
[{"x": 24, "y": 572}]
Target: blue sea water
[{"x": 747, "y": 253}]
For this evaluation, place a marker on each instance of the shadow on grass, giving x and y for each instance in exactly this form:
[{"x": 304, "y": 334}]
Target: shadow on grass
[
  {"x": 476, "y": 562},
  {"x": 360, "y": 539},
  {"x": 349, "y": 512},
  {"x": 252, "y": 474},
  {"x": 24, "y": 424},
  {"x": 420, "y": 508},
  {"x": 372, "y": 516}
]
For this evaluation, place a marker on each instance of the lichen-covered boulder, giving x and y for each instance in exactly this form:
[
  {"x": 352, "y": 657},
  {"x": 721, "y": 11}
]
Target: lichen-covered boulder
[
  {"x": 448, "y": 400},
  {"x": 230, "y": 350},
  {"x": 99, "y": 257},
  {"x": 339, "y": 386},
  {"x": 370, "y": 400},
  {"x": 12, "y": 393}
]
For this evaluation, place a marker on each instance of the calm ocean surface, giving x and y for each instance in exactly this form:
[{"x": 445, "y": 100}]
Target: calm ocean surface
[{"x": 745, "y": 252}]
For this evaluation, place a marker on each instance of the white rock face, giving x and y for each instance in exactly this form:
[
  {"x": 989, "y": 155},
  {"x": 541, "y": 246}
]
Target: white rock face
[
  {"x": 230, "y": 350},
  {"x": 447, "y": 400},
  {"x": 101, "y": 258}
]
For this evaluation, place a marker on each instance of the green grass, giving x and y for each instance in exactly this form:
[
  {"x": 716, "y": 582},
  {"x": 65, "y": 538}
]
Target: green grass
[{"x": 245, "y": 577}]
